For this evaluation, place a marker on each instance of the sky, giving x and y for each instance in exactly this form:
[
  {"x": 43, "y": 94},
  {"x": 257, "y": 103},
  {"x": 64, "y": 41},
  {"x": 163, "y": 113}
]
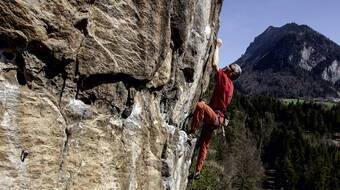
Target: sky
[{"x": 242, "y": 20}]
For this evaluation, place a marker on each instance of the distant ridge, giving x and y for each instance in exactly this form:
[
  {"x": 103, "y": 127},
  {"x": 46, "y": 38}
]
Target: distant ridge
[{"x": 292, "y": 61}]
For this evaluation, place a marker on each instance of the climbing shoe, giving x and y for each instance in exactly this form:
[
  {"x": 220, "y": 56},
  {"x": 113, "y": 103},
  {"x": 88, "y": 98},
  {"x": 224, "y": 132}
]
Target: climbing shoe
[{"x": 196, "y": 175}]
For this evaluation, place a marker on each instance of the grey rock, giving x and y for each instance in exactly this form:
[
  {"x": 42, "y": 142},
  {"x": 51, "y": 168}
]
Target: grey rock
[
  {"x": 97, "y": 90},
  {"x": 291, "y": 61}
]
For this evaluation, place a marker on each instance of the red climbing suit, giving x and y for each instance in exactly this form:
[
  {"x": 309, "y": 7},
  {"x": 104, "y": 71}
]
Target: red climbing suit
[{"x": 208, "y": 114}]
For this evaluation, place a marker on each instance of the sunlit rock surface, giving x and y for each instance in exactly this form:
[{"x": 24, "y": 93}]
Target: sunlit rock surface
[{"x": 93, "y": 94}]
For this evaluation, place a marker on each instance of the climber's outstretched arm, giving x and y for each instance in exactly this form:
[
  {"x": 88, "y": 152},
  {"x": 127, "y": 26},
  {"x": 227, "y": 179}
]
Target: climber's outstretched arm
[{"x": 216, "y": 58}]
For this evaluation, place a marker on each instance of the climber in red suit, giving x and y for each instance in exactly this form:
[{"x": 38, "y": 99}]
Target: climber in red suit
[{"x": 212, "y": 115}]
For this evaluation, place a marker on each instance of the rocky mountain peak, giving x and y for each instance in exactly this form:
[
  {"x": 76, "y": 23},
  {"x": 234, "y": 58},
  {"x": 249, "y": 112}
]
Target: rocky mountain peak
[
  {"x": 297, "y": 48},
  {"x": 272, "y": 35}
]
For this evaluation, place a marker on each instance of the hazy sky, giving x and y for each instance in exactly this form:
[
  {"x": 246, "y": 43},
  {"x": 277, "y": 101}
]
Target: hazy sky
[{"x": 243, "y": 20}]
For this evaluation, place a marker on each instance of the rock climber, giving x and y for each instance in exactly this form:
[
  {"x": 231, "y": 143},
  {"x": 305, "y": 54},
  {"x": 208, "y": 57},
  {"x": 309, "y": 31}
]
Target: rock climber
[{"x": 213, "y": 115}]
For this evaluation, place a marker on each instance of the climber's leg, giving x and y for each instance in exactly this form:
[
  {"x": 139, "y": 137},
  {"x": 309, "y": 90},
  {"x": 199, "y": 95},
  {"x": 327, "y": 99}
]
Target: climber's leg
[
  {"x": 206, "y": 134},
  {"x": 203, "y": 114}
]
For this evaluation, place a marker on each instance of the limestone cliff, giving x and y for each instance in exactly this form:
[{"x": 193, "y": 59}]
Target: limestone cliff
[{"x": 93, "y": 93}]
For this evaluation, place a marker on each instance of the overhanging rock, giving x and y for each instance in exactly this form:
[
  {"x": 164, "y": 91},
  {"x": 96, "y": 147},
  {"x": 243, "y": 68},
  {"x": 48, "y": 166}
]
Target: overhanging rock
[{"x": 93, "y": 93}]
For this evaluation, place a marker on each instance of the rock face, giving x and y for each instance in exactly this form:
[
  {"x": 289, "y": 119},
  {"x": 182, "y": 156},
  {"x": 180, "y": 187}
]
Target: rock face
[
  {"x": 291, "y": 61},
  {"x": 94, "y": 93}
]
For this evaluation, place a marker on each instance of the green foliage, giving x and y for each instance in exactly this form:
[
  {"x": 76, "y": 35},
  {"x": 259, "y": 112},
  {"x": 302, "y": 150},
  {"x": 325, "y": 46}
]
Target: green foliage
[
  {"x": 295, "y": 140},
  {"x": 208, "y": 179},
  {"x": 297, "y": 101}
]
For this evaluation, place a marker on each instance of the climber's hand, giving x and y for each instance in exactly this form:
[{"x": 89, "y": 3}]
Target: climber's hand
[{"x": 219, "y": 42}]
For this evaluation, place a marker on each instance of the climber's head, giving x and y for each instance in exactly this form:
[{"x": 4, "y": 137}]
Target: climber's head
[{"x": 233, "y": 71}]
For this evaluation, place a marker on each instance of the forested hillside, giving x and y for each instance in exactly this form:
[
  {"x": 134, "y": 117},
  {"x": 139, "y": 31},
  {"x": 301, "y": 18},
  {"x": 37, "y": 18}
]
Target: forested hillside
[{"x": 272, "y": 145}]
